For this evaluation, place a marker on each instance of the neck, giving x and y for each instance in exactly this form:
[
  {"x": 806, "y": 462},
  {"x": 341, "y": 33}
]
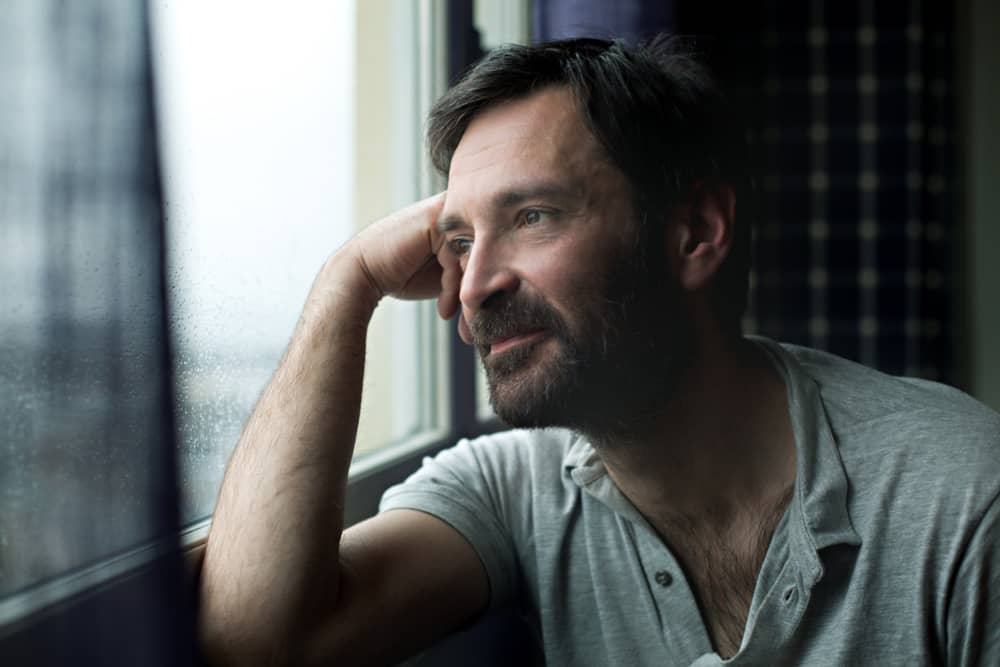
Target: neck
[{"x": 721, "y": 445}]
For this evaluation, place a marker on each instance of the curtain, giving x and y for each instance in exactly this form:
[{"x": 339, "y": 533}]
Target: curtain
[
  {"x": 86, "y": 432},
  {"x": 627, "y": 19},
  {"x": 854, "y": 247}
]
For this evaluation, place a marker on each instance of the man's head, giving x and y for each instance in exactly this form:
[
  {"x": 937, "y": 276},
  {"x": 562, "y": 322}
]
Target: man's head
[{"x": 566, "y": 164}]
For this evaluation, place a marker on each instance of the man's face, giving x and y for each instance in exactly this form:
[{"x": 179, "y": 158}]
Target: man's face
[{"x": 568, "y": 313}]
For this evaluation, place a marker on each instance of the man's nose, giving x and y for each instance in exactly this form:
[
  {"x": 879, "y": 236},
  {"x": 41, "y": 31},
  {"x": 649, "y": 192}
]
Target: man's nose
[{"x": 488, "y": 272}]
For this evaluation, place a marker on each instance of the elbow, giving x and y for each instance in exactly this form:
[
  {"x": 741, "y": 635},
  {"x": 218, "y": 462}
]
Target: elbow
[
  {"x": 230, "y": 633},
  {"x": 230, "y": 637},
  {"x": 226, "y": 645},
  {"x": 225, "y": 641},
  {"x": 241, "y": 622}
]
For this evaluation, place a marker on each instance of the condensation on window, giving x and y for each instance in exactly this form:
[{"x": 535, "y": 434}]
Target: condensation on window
[{"x": 266, "y": 152}]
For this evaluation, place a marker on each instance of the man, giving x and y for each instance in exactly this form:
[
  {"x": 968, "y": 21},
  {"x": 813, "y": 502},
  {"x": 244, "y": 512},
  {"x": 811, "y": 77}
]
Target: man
[{"x": 693, "y": 496}]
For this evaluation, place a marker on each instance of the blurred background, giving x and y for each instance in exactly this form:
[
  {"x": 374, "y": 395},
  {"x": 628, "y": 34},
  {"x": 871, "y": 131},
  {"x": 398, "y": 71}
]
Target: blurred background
[{"x": 173, "y": 174}]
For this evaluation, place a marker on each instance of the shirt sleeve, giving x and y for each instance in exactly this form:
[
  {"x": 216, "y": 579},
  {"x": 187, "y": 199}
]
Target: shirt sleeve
[
  {"x": 973, "y": 615},
  {"x": 459, "y": 487}
]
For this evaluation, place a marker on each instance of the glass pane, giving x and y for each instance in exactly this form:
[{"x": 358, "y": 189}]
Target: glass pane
[
  {"x": 279, "y": 142},
  {"x": 84, "y": 412}
]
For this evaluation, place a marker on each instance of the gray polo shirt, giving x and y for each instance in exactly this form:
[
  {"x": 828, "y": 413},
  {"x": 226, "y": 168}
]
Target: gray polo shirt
[{"x": 888, "y": 554}]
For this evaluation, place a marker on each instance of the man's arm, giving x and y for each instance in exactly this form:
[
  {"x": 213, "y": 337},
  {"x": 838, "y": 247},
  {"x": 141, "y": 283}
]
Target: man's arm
[{"x": 280, "y": 583}]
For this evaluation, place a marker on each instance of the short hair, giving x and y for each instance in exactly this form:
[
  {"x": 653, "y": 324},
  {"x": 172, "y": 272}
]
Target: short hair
[{"x": 653, "y": 107}]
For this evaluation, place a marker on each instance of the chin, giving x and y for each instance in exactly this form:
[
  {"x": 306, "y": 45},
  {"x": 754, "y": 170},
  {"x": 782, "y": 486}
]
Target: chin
[
  {"x": 602, "y": 400},
  {"x": 535, "y": 395},
  {"x": 520, "y": 415}
]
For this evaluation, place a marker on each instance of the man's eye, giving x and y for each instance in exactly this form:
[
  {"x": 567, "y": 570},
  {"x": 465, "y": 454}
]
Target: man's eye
[
  {"x": 460, "y": 245},
  {"x": 533, "y": 216}
]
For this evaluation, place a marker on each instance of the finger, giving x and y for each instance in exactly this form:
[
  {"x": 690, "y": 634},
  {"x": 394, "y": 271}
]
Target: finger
[
  {"x": 451, "y": 281},
  {"x": 433, "y": 206},
  {"x": 433, "y": 210}
]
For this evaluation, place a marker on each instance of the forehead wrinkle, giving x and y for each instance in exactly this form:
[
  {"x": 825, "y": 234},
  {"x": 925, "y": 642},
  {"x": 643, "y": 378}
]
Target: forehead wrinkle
[
  {"x": 508, "y": 148},
  {"x": 525, "y": 190},
  {"x": 546, "y": 125},
  {"x": 484, "y": 155},
  {"x": 561, "y": 172}
]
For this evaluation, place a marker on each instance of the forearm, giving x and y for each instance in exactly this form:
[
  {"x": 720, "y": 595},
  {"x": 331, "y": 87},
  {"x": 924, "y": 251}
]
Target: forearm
[{"x": 272, "y": 557}]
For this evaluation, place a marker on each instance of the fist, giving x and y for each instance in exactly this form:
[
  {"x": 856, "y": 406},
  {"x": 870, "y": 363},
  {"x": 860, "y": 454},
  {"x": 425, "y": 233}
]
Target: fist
[{"x": 403, "y": 256}]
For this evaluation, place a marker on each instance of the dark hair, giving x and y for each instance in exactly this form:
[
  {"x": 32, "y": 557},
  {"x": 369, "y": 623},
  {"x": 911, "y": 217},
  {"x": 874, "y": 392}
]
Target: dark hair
[{"x": 653, "y": 107}]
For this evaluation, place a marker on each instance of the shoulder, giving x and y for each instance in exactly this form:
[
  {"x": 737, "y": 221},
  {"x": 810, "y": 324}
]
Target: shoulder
[
  {"x": 928, "y": 451},
  {"x": 867, "y": 405},
  {"x": 859, "y": 394},
  {"x": 504, "y": 472},
  {"x": 547, "y": 446},
  {"x": 511, "y": 456}
]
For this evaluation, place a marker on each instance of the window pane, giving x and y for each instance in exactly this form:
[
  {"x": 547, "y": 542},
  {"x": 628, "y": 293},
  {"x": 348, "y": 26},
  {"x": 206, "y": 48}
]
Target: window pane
[{"x": 282, "y": 135}]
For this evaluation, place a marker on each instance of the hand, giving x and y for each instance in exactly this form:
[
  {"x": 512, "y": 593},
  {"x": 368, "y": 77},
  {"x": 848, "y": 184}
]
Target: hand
[{"x": 402, "y": 255}]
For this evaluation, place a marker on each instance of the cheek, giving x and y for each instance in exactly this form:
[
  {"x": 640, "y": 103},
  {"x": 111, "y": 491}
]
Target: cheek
[{"x": 571, "y": 281}]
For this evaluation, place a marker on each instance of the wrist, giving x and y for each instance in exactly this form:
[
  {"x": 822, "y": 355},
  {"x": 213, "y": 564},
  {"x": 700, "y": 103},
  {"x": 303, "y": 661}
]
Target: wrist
[{"x": 344, "y": 287}]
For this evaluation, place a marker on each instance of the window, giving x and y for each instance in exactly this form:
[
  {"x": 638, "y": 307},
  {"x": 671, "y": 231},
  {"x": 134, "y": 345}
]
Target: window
[
  {"x": 282, "y": 132},
  {"x": 277, "y": 149}
]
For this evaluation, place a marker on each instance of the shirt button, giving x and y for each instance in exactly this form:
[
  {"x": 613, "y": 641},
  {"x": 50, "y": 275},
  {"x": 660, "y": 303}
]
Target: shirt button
[{"x": 664, "y": 578}]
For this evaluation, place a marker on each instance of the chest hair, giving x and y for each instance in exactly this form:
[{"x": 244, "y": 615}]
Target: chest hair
[{"x": 722, "y": 567}]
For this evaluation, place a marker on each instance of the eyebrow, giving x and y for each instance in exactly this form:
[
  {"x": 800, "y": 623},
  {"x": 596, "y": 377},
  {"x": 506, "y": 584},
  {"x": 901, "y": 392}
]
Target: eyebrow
[{"x": 510, "y": 198}]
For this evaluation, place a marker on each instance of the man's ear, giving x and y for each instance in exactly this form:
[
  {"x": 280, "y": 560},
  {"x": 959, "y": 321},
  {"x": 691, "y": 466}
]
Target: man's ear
[{"x": 701, "y": 234}]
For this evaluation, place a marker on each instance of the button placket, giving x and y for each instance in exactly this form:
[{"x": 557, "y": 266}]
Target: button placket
[
  {"x": 680, "y": 617},
  {"x": 778, "y": 613},
  {"x": 794, "y": 599}
]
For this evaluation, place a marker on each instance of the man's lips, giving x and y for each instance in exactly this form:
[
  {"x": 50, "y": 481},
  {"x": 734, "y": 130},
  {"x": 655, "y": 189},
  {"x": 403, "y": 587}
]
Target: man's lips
[{"x": 498, "y": 346}]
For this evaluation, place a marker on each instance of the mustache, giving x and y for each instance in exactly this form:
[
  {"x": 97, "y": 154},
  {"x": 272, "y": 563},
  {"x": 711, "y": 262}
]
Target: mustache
[{"x": 511, "y": 315}]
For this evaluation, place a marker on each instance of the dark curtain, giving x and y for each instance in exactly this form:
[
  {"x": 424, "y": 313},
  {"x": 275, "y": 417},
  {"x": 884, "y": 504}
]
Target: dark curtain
[
  {"x": 86, "y": 433},
  {"x": 854, "y": 244},
  {"x": 849, "y": 108},
  {"x": 627, "y": 19}
]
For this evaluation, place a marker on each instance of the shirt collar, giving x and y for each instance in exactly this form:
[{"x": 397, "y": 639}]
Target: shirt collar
[
  {"x": 820, "y": 481},
  {"x": 582, "y": 463}
]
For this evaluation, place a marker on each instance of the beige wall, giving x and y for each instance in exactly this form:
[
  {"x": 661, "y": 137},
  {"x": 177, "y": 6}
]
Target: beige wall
[{"x": 384, "y": 181}]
